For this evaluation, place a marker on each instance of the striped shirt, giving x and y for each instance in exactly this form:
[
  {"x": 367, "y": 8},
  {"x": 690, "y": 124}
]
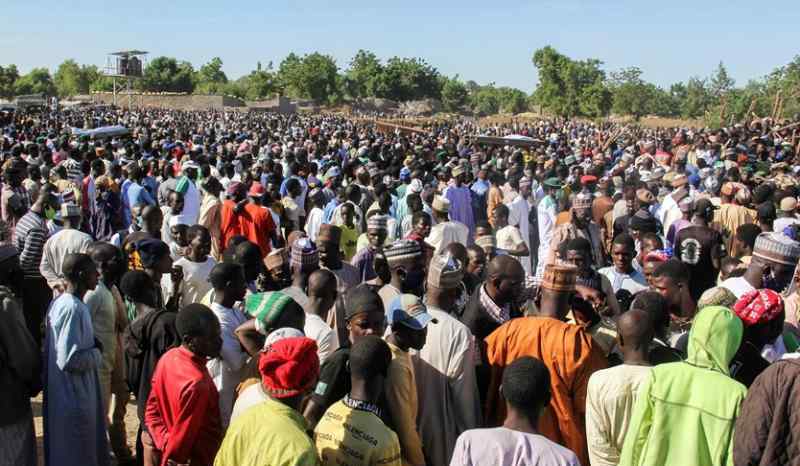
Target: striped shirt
[{"x": 29, "y": 238}]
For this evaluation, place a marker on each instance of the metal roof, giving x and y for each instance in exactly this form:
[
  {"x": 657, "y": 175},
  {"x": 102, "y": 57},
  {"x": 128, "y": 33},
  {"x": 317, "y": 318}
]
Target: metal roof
[{"x": 128, "y": 53}]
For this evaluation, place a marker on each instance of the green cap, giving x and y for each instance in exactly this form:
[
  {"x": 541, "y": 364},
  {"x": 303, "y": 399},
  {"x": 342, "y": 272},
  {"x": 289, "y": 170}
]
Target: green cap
[{"x": 553, "y": 183}]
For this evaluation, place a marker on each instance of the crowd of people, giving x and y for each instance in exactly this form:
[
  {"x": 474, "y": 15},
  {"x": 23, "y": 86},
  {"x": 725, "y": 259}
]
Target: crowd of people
[{"x": 312, "y": 289}]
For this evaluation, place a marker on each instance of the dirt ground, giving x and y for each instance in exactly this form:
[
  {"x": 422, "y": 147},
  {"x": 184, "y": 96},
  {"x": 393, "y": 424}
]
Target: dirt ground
[{"x": 131, "y": 426}]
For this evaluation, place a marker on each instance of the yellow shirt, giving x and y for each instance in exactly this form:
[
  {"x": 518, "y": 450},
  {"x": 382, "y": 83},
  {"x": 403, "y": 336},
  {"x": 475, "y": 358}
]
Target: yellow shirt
[
  {"x": 355, "y": 437},
  {"x": 348, "y": 241},
  {"x": 267, "y": 433},
  {"x": 401, "y": 399}
]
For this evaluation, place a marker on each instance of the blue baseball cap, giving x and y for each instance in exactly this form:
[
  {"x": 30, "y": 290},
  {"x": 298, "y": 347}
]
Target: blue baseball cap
[{"x": 409, "y": 310}]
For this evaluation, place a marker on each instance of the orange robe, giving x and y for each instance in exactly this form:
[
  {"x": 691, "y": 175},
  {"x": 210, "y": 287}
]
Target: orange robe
[
  {"x": 571, "y": 357},
  {"x": 493, "y": 199}
]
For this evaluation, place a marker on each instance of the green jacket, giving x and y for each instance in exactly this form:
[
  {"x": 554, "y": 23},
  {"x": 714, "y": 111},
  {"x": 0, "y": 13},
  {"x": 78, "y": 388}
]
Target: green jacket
[{"x": 686, "y": 410}]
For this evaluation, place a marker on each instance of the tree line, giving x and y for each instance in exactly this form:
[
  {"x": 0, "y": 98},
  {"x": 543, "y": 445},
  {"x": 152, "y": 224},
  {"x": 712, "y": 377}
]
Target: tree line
[{"x": 567, "y": 87}]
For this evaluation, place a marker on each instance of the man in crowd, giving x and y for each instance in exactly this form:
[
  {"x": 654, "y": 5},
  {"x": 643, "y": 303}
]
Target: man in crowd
[
  {"x": 360, "y": 411},
  {"x": 446, "y": 230},
  {"x": 69, "y": 240},
  {"x": 182, "y": 412},
  {"x": 74, "y": 420},
  {"x": 700, "y": 247},
  {"x": 526, "y": 390},
  {"x": 567, "y": 350},
  {"x": 612, "y": 392}
]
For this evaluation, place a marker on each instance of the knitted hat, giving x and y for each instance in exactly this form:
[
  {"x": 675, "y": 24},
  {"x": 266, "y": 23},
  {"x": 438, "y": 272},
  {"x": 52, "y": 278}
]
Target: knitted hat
[
  {"x": 276, "y": 259},
  {"x": 360, "y": 299},
  {"x": 282, "y": 334},
  {"x": 441, "y": 204},
  {"x": 486, "y": 241},
  {"x": 289, "y": 367},
  {"x": 402, "y": 251},
  {"x": 329, "y": 233},
  {"x": 70, "y": 210},
  {"x": 266, "y": 308},
  {"x": 378, "y": 222},
  {"x": 304, "y": 254},
  {"x": 758, "y": 306},
  {"x": 582, "y": 201},
  {"x": 559, "y": 277},
  {"x": 458, "y": 170},
  {"x": 680, "y": 180},
  {"x": 777, "y": 247},
  {"x": 444, "y": 272}
]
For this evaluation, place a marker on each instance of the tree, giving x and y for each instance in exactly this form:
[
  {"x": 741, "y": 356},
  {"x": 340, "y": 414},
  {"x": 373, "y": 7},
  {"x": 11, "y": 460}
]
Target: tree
[
  {"x": 166, "y": 74},
  {"x": 8, "y": 76},
  {"x": 70, "y": 80},
  {"x": 363, "y": 77},
  {"x": 512, "y": 100},
  {"x": 697, "y": 98},
  {"x": 720, "y": 83},
  {"x": 210, "y": 78},
  {"x": 407, "y": 79},
  {"x": 313, "y": 76},
  {"x": 38, "y": 81},
  {"x": 632, "y": 96},
  {"x": 570, "y": 87},
  {"x": 485, "y": 101},
  {"x": 454, "y": 94}
]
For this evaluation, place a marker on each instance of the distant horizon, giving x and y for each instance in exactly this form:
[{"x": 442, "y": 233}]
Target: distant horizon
[{"x": 669, "y": 42}]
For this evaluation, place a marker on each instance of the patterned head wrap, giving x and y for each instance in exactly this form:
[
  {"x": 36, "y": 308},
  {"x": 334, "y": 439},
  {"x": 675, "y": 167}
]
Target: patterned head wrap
[
  {"x": 289, "y": 367},
  {"x": 267, "y": 308}
]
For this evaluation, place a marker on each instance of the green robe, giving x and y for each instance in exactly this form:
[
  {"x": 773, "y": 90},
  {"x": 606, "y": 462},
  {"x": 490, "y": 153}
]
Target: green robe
[{"x": 686, "y": 410}]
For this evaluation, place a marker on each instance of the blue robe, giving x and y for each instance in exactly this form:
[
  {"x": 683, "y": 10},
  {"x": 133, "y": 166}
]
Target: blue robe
[
  {"x": 461, "y": 207},
  {"x": 74, "y": 428}
]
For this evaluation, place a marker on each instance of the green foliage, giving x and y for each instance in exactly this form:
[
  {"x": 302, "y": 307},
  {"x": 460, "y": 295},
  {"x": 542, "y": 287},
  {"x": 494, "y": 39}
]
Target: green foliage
[
  {"x": 8, "y": 75},
  {"x": 632, "y": 95},
  {"x": 313, "y": 76},
  {"x": 720, "y": 83},
  {"x": 72, "y": 79},
  {"x": 697, "y": 99},
  {"x": 363, "y": 77},
  {"x": 570, "y": 87},
  {"x": 454, "y": 94},
  {"x": 210, "y": 78},
  {"x": 38, "y": 81},
  {"x": 406, "y": 79},
  {"x": 166, "y": 74}
]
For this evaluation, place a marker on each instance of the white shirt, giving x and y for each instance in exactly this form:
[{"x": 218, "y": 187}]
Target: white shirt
[
  {"x": 782, "y": 222},
  {"x": 315, "y": 327},
  {"x": 313, "y": 222},
  {"x": 633, "y": 282},
  {"x": 447, "y": 232},
  {"x": 195, "y": 279},
  {"x": 56, "y": 248},
  {"x": 737, "y": 285},
  {"x": 226, "y": 370}
]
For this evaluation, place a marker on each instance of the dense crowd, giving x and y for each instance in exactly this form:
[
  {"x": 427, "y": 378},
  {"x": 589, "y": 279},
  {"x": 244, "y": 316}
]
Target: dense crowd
[{"x": 312, "y": 289}]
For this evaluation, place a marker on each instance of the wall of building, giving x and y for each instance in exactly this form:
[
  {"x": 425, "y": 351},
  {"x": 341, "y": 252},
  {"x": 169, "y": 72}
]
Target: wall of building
[{"x": 169, "y": 101}]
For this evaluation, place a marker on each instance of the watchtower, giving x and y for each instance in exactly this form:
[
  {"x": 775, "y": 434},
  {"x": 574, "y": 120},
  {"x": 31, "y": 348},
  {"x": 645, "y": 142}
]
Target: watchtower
[{"x": 125, "y": 65}]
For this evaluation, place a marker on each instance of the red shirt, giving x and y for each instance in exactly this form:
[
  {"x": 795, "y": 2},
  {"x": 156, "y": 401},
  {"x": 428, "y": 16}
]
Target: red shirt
[
  {"x": 254, "y": 222},
  {"x": 182, "y": 414}
]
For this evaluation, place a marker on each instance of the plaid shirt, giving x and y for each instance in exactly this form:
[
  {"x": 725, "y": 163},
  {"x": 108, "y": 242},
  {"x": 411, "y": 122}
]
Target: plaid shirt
[{"x": 499, "y": 314}]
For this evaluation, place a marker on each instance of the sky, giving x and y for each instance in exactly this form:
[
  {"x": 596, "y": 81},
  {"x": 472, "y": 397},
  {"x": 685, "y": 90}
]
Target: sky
[{"x": 486, "y": 41}]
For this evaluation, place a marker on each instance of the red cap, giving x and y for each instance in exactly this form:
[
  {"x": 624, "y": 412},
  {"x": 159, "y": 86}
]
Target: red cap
[
  {"x": 588, "y": 179},
  {"x": 256, "y": 190}
]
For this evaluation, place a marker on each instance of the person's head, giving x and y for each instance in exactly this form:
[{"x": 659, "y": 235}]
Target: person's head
[
  {"x": 178, "y": 233},
  {"x": 414, "y": 202},
  {"x": 526, "y": 388},
  {"x": 500, "y": 216},
  {"x": 623, "y": 250},
  {"x": 578, "y": 252},
  {"x": 152, "y": 218},
  {"x": 175, "y": 201},
  {"x": 109, "y": 260},
  {"x": 635, "y": 332},
  {"x": 293, "y": 187},
  {"x": 671, "y": 280},
  {"x": 304, "y": 257},
  {"x": 377, "y": 230},
  {"x": 199, "y": 330},
  {"x": 745, "y": 239},
  {"x": 649, "y": 243},
  {"x": 704, "y": 210},
  {"x": 409, "y": 319},
  {"x": 71, "y": 215},
  {"x": 138, "y": 287},
  {"x": 476, "y": 261},
  {"x": 212, "y": 186},
  {"x": 154, "y": 255},
  {"x": 248, "y": 255},
  {"x": 289, "y": 369},
  {"x": 348, "y": 213},
  {"x": 273, "y": 310},
  {"x": 228, "y": 280},
  {"x": 582, "y": 208},
  {"x": 80, "y": 271},
  {"x": 369, "y": 361},
  {"x": 444, "y": 281},
  {"x": 363, "y": 311},
  {"x": 775, "y": 258},
  {"x": 198, "y": 243},
  {"x": 557, "y": 290},
  {"x": 654, "y": 304},
  {"x": 277, "y": 267},
  {"x": 762, "y": 312},
  {"x": 46, "y": 198},
  {"x": 421, "y": 223},
  {"x": 322, "y": 289},
  {"x": 727, "y": 266},
  {"x": 504, "y": 280},
  {"x": 329, "y": 244},
  {"x": 407, "y": 265}
]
